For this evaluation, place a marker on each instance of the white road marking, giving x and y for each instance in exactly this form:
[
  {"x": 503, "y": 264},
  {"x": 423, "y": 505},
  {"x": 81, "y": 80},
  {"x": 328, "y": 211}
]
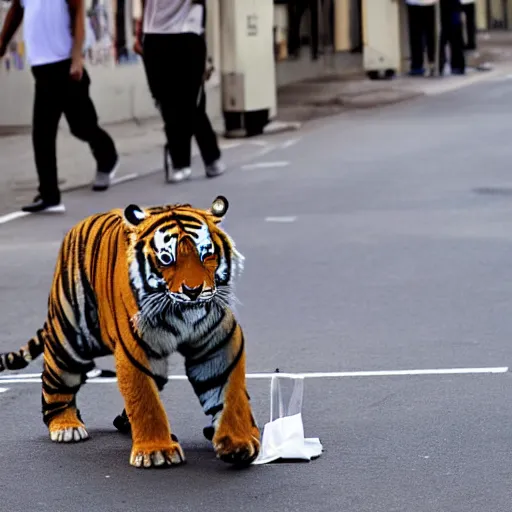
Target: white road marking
[
  {"x": 265, "y": 165},
  {"x": 12, "y": 216},
  {"x": 229, "y": 145},
  {"x": 289, "y": 143},
  {"x": 126, "y": 177},
  {"x": 34, "y": 378},
  {"x": 280, "y": 219},
  {"x": 3, "y": 390}
]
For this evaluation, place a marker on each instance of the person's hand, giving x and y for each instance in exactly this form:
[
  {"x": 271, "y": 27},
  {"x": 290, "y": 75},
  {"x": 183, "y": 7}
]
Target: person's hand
[
  {"x": 138, "y": 34},
  {"x": 209, "y": 69},
  {"x": 137, "y": 46},
  {"x": 77, "y": 68}
]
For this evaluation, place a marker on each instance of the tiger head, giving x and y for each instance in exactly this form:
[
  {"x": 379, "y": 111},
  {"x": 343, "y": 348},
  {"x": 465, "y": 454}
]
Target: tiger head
[{"x": 179, "y": 257}]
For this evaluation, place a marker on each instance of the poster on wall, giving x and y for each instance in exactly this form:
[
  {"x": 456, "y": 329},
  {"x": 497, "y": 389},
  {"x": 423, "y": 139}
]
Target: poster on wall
[
  {"x": 107, "y": 40},
  {"x": 14, "y": 58},
  {"x": 107, "y": 36}
]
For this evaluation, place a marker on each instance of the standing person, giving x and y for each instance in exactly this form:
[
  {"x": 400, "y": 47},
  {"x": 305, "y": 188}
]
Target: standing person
[
  {"x": 451, "y": 34},
  {"x": 468, "y": 8},
  {"x": 171, "y": 40},
  {"x": 54, "y": 32},
  {"x": 422, "y": 35}
]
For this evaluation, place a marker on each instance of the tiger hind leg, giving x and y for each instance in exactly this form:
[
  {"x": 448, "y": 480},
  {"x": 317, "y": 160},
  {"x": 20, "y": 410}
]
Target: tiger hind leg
[{"x": 60, "y": 413}]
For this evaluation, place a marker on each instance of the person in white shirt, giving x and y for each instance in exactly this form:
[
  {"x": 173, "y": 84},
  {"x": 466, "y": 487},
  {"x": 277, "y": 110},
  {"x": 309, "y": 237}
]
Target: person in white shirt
[
  {"x": 171, "y": 40},
  {"x": 54, "y": 33},
  {"x": 422, "y": 35},
  {"x": 468, "y": 8}
]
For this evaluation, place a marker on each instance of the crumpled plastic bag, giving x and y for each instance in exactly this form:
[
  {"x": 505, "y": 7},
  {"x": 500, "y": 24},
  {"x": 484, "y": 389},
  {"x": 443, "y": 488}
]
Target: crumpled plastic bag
[{"x": 283, "y": 436}]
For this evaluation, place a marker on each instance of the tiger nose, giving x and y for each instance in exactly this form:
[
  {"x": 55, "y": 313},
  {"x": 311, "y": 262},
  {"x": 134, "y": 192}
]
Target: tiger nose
[{"x": 192, "y": 293}]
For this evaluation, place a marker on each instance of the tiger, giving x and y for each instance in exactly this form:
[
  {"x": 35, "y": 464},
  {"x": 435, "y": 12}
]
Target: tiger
[{"x": 141, "y": 284}]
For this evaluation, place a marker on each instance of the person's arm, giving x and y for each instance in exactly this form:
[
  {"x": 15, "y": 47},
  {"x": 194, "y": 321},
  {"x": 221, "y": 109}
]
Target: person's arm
[
  {"x": 77, "y": 13},
  {"x": 12, "y": 22},
  {"x": 138, "y": 29}
]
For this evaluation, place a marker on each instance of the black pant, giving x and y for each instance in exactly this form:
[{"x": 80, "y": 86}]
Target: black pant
[
  {"x": 470, "y": 15},
  {"x": 422, "y": 33},
  {"x": 296, "y": 10},
  {"x": 56, "y": 93},
  {"x": 451, "y": 34},
  {"x": 175, "y": 66}
]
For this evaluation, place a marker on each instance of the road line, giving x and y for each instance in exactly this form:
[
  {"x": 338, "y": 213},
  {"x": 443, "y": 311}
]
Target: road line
[
  {"x": 12, "y": 216},
  {"x": 229, "y": 145},
  {"x": 35, "y": 378},
  {"x": 126, "y": 177},
  {"x": 3, "y": 390},
  {"x": 289, "y": 143},
  {"x": 280, "y": 219},
  {"x": 265, "y": 165}
]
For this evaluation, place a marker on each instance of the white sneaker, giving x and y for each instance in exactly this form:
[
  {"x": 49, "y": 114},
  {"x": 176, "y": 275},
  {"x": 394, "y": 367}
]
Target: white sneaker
[
  {"x": 215, "y": 169},
  {"x": 178, "y": 175}
]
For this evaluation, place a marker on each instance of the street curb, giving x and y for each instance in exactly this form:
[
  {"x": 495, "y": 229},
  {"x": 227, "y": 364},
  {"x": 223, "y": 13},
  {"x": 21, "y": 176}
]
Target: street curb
[{"x": 466, "y": 81}]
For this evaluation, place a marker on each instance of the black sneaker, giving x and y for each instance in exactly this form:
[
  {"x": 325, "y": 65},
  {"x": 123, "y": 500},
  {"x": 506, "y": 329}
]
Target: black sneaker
[{"x": 41, "y": 206}]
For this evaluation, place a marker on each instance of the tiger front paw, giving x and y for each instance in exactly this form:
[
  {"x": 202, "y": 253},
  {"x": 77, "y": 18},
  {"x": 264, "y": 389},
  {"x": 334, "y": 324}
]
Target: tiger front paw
[
  {"x": 237, "y": 450},
  {"x": 171, "y": 454}
]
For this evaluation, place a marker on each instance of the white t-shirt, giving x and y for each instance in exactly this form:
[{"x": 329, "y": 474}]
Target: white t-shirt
[
  {"x": 47, "y": 31},
  {"x": 173, "y": 17}
]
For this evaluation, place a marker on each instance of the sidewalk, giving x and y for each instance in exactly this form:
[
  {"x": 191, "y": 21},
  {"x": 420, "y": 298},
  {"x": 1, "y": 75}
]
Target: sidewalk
[
  {"x": 312, "y": 99},
  {"x": 141, "y": 146}
]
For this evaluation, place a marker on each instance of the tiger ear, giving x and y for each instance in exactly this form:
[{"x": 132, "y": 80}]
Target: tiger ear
[
  {"x": 219, "y": 207},
  {"x": 134, "y": 214}
]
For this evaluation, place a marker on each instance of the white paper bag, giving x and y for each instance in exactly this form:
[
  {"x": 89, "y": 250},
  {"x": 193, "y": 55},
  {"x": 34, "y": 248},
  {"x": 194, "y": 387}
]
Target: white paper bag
[
  {"x": 194, "y": 20},
  {"x": 283, "y": 436}
]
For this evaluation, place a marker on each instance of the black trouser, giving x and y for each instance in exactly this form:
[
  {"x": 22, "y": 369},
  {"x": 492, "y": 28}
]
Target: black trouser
[
  {"x": 296, "y": 9},
  {"x": 422, "y": 33},
  {"x": 451, "y": 33},
  {"x": 470, "y": 15},
  {"x": 56, "y": 93},
  {"x": 175, "y": 66}
]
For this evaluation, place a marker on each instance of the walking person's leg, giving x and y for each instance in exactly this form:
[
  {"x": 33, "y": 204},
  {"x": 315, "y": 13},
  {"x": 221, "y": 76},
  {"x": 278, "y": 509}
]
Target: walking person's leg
[
  {"x": 207, "y": 140},
  {"x": 457, "y": 59},
  {"x": 177, "y": 93},
  {"x": 83, "y": 122},
  {"x": 470, "y": 14},
  {"x": 415, "y": 39},
  {"x": 47, "y": 110},
  {"x": 429, "y": 30},
  {"x": 444, "y": 34}
]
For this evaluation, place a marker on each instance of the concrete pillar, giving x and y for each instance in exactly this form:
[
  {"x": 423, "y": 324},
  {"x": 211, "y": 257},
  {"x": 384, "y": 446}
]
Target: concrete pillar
[
  {"x": 481, "y": 15},
  {"x": 248, "y": 65},
  {"x": 342, "y": 40}
]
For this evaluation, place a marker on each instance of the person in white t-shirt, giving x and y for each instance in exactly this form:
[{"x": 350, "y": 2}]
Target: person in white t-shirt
[
  {"x": 54, "y": 33},
  {"x": 422, "y": 35},
  {"x": 171, "y": 41}
]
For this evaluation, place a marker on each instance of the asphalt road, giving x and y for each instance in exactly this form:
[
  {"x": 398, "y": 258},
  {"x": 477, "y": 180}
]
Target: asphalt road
[{"x": 395, "y": 255}]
